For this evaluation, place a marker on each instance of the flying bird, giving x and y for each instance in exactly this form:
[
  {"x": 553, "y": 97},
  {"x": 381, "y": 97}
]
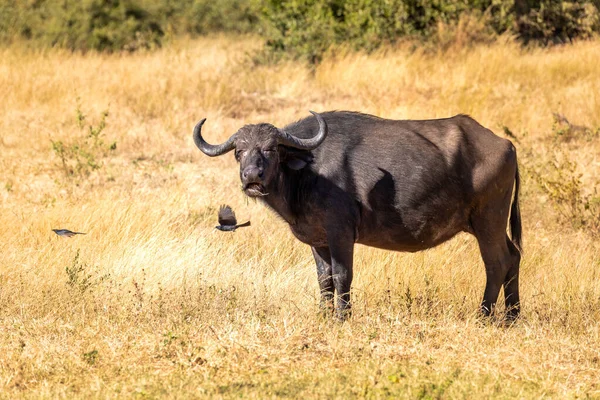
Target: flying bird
[
  {"x": 66, "y": 232},
  {"x": 227, "y": 221}
]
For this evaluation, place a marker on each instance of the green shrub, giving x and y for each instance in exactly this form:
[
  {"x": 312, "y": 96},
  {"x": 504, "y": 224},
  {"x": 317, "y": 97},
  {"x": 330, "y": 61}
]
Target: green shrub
[
  {"x": 105, "y": 25},
  {"x": 199, "y": 17},
  {"x": 304, "y": 28},
  {"x": 81, "y": 276},
  {"x": 551, "y": 21},
  {"x": 557, "y": 175},
  {"x": 81, "y": 156},
  {"x": 115, "y": 25},
  {"x": 564, "y": 131},
  {"x": 297, "y": 28},
  {"x": 307, "y": 28},
  {"x": 576, "y": 204}
]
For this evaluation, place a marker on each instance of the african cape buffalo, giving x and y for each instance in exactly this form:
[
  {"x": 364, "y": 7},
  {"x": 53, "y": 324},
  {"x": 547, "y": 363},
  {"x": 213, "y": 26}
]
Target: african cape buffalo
[{"x": 344, "y": 177}]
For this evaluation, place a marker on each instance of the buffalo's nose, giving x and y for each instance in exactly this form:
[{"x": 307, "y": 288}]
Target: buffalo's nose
[{"x": 252, "y": 173}]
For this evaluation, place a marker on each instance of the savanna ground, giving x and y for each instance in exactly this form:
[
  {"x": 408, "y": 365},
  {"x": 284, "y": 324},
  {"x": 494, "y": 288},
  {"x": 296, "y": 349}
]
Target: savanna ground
[{"x": 153, "y": 302}]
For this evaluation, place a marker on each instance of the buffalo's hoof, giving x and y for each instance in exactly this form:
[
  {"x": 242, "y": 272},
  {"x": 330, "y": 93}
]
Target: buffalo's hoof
[
  {"x": 342, "y": 315},
  {"x": 326, "y": 309},
  {"x": 486, "y": 311},
  {"x": 513, "y": 313}
]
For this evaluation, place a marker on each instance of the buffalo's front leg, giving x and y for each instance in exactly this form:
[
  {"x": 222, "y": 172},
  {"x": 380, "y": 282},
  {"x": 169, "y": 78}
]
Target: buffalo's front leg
[
  {"x": 324, "y": 274},
  {"x": 342, "y": 254}
]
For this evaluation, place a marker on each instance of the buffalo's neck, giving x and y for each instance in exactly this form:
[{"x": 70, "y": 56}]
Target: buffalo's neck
[{"x": 288, "y": 192}]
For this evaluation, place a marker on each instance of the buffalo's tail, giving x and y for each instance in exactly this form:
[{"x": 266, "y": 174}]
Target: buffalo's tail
[{"x": 515, "y": 215}]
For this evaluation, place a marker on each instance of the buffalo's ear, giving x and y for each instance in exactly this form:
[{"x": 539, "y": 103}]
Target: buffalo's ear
[
  {"x": 294, "y": 158},
  {"x": 296, "y": 163}
]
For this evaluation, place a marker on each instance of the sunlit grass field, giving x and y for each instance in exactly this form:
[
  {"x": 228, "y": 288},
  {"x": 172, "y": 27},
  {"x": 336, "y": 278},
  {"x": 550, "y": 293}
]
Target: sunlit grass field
[{"x": 155, "y": 303}]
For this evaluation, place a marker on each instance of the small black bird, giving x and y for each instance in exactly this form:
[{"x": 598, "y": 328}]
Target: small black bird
[
  {"x": 66, "y": 232},
  {"x": 227, "y": 221}
]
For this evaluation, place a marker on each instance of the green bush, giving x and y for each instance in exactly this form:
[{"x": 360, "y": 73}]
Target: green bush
[
  {"x": 551, "y": 21},
  {"x": 116, "y": 25},
  {"x": 106, "y": 25},
  {"x": 576, "y": 203},
  {"x": 199, "y": 17},
  {"x": 558, "y": 175},
  {"x": 79, "y": 157},
  {"x": 294, "y": 28},
  {"x": 307, "y": 28}
]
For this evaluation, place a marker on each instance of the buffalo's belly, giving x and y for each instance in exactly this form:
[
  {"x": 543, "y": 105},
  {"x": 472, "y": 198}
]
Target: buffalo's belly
[
  {"x": 395, "y": 242},
  {"x": 411, "y": 231}
]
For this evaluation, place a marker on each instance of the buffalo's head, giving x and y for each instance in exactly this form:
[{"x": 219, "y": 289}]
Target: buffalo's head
[{"x": 261, "y": 149}]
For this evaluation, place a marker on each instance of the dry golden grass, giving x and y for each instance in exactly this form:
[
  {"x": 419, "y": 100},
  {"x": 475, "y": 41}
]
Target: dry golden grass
[{"x": 159, "y": 304}]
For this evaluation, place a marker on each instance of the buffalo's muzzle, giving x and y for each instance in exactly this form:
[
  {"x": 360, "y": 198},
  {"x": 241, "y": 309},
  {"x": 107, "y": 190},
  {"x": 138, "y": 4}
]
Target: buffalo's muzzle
[
  {"x": 255, "y": 189},
  {"x": 252, "y": 180},
  {"x": 252, "y": 174}
]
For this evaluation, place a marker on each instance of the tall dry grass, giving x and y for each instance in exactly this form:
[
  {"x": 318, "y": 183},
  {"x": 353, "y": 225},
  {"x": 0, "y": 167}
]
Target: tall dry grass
[{"x": 153, "y": 302}]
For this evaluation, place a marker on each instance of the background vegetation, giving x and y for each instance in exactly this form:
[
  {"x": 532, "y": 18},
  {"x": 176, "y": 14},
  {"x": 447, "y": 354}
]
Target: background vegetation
[
  {"x": 154, "y": 302},
  {"x": 296, "y": 28}
]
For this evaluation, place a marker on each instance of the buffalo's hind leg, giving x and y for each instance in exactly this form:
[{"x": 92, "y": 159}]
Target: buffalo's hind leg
[
  {"x": 501, "y": 258},
  {"x": 511, "y": 282},
  {"x": 501, "y": 269},
  {"x": 325, "y": 275}
]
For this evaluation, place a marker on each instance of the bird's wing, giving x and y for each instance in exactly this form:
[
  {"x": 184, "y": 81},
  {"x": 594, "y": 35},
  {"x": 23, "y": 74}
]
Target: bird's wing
[{"x": 226, "y": 216}]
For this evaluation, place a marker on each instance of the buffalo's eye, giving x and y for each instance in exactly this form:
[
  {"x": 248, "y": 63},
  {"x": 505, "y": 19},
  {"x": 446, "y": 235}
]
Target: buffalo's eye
[
  {"x": 239, "y": 154},
  {"x": 269, "y": 151}
]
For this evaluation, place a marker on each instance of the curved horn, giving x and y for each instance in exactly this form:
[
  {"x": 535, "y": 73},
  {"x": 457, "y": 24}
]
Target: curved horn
[
  {"x": 305, "y": 144},
  {"x": 209, "y": 149}
]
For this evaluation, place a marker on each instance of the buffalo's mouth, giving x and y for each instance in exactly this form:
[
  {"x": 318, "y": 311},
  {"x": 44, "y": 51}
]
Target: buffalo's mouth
[{"x": 255, "y": 189}]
